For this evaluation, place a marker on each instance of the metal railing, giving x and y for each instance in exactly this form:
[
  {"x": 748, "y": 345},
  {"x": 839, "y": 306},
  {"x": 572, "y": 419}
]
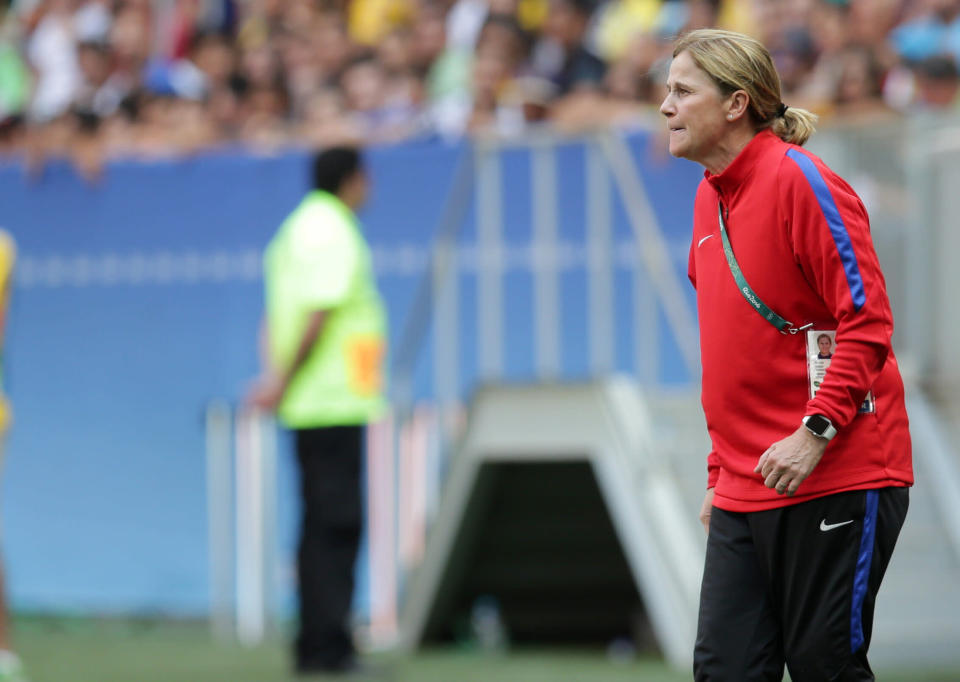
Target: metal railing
[
  {"x": 242, "y": 522},
  {"x": 610, "y": 175}
]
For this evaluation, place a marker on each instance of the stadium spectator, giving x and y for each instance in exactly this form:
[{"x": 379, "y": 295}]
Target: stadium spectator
[
  {"x": 96, "y": 93},
  {"x": 326, "y": 122},
  {"x": 428, "y": 39},
  {"x": 446, "y": 64},
  {"x": 858, "y": 86},
  {"x": 52, "y": 55},
  {"x": 498, "y": 96},
  {"x": 935, "y": 31},
  {"x": 14, "y": 86},
  {"x": 561, "y": 55},
  {"x": 385, "y": 106},
  {"x": 325, "y": 346},
  {"x": 937, "y": 83},
  {"x": 631, "y": 86},
  {"x": 617, "y": 23},
  {"x": 370, "y": 21}
]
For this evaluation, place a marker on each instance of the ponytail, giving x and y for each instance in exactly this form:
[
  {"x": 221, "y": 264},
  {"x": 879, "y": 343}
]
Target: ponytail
[{"x": 794, "y": 125}]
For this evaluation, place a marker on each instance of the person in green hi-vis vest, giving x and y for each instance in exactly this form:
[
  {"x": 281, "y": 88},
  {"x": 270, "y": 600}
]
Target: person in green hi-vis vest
[{"x": 325, "y": 350}]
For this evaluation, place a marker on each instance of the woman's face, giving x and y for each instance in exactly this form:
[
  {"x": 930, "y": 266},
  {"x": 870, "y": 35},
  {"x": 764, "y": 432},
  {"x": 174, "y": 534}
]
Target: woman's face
[
  {"x": 695, "y": 111},
  {"x": 824, "y": 343}
]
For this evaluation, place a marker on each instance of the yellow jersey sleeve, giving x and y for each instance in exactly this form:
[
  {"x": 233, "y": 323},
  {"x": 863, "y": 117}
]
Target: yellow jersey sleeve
[{"x": 8, "y": 254}]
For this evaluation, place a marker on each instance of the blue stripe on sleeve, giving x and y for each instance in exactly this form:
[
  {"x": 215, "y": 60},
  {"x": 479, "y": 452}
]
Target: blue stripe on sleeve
[
  {"x": 839, "y": 230},
  {"x": 861, "y": 577}
]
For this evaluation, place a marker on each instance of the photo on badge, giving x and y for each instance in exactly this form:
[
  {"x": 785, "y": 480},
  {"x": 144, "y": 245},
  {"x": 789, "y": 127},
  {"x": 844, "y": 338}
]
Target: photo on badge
[{"x": 821, "y": 346}]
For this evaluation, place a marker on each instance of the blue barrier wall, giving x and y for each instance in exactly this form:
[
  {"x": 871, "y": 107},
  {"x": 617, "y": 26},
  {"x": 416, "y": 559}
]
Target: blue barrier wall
[{"x": 137, "y": 301}]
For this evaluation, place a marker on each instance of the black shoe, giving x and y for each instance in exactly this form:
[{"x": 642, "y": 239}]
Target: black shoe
[
  {"x": 350, "y": 668},
  {"x": 363, "y": 671},
  {"x": 314, "y": 667}
]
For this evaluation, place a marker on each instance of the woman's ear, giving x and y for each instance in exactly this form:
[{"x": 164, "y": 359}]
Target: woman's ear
[{"x": 739, "y": 102}]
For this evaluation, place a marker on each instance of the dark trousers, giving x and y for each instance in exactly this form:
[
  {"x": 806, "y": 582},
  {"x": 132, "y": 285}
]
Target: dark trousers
[
  {"x": 796, "y": 586},
  {"x": 329, "y": 538}
]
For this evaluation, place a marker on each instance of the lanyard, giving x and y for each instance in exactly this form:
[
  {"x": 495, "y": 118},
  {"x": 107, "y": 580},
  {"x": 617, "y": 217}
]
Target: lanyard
[{"x": 782, "y": 325}]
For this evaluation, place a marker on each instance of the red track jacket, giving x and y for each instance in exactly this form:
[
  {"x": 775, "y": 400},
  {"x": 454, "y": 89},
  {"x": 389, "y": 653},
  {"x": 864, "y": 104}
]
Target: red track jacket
[{"x": 802, "y": 238}]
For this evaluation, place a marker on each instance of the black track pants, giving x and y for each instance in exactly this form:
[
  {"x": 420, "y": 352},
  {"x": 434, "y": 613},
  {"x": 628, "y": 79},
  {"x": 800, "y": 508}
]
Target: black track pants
[{"x": 796, "y": 586}]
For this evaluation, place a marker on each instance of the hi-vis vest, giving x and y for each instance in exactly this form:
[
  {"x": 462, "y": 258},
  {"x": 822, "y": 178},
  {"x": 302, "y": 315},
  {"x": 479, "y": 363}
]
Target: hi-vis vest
[{"x": 319, "y": 260}]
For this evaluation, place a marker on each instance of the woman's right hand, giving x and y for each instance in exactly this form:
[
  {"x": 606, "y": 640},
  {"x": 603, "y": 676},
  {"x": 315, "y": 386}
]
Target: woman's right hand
[{"x": 705, "y": 510}]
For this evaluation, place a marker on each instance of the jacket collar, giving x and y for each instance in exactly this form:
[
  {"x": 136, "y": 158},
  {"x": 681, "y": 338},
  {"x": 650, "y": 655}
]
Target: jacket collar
[{"x": 742, "y": 167}]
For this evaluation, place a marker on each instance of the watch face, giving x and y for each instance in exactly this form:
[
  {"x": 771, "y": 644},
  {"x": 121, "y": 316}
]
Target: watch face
[{"x": 818, "y": 424}]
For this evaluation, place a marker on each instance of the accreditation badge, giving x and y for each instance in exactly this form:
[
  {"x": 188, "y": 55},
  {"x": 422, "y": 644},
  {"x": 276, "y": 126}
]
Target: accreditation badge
[
  {"x": 365, "y": 364},
  {"x": 821, "y": 345}
]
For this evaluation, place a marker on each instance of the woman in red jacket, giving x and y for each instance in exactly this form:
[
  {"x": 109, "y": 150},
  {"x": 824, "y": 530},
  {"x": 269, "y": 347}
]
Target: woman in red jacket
[{"x": 808, "y": 475}]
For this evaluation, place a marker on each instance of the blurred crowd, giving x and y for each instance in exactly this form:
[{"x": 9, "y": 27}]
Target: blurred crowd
[{"x": 97, "y": 79}]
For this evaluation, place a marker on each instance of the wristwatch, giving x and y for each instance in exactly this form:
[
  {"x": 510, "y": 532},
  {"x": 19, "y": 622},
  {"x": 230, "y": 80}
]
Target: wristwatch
[{"x": 820, "y": 426}]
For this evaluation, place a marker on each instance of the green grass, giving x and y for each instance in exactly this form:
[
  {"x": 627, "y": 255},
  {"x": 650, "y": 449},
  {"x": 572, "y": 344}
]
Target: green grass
[
  {"x": 83, "y": 650},
  {"x": 58, "y": 650}
]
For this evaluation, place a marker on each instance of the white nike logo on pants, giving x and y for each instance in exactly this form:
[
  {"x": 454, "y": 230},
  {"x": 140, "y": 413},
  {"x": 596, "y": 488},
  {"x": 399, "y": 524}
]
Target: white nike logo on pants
[{"x": 824, "y": 526}]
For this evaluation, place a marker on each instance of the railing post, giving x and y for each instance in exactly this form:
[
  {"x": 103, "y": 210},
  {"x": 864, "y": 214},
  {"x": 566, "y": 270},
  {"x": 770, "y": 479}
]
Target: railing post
[
  {"x": 545, "y": 261},
  {"x": 490, "y": 264},
  {"x": 599, "y": 236},
  {"x": 255, "y": 525},
  {"x": 220, "y": 545}
]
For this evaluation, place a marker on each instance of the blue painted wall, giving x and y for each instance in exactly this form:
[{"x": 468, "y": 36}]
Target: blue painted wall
[{"x": 137, "y": 301}]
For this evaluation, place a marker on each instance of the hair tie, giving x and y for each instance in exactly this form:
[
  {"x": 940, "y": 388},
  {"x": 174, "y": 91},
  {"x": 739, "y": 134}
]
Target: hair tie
[{"x": 782, "y": 109}]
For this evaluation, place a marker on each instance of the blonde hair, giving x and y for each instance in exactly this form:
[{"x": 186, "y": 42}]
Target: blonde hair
[{"x": 738, "y": 62}]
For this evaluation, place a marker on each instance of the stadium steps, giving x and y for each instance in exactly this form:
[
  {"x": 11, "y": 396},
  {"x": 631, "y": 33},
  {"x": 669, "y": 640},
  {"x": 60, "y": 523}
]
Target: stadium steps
[{"x": 559, "y": 509}]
